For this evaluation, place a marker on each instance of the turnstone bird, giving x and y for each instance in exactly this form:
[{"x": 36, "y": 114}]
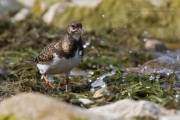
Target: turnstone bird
[{"x": 62, "y": 56}]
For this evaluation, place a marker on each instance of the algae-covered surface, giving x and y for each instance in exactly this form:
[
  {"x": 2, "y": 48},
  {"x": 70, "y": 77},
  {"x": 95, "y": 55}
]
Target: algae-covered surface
[
  {"x": 21, "y": 42},
  {"x": 109, "y": 48},
  {"x": 12, "y": 117},
  {"x": 149, "y": 20}
]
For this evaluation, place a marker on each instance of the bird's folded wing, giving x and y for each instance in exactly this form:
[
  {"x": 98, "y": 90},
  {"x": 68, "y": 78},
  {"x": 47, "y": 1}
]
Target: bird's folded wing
[{"x": 46, "y": 54}]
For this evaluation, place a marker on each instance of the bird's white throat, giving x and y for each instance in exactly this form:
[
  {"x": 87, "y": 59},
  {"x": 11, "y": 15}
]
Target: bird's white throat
[{"x": 76, "y": 37}]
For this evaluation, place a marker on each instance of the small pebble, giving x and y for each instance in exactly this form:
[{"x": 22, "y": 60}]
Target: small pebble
[
  {"x": 99, "y": 93},
  {"x": 85, "y": 101},
  {"x": 2, "y": 74}
]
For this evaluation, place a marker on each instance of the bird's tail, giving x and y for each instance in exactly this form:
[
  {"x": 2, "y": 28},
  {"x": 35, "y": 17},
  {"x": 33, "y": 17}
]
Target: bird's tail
[{"x": 31, "y": 60}]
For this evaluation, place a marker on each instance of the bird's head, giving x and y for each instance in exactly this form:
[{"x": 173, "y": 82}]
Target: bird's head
[{"x": 75, "y": 29}]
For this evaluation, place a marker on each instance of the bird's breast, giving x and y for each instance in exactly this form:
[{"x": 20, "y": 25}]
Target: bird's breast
[{"x": 60, "y": 65}]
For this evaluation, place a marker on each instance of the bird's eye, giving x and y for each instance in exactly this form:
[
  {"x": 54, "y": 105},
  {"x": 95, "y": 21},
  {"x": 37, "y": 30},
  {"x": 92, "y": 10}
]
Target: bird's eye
[{"x": 73, "y": 26}]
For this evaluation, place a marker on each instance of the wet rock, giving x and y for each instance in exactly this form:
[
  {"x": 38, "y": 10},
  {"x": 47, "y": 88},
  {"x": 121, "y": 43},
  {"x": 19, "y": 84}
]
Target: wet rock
[
  {"x": 31, "y": 3},
  {"x": 49, "y": 16},
  {"x": 159, "y": 2},
  {"x": 85, "y": 3},
  {"x": 7, "y": 7},
  {"x": 175, "y": 54},
  {"x": 35, "y": 107},
  {"x": 99, "y": 82},
  {"x": 40, "y": 107},
  {"x": 2, "y": 75},
  {"x": 160, "y": 64},
  {"x": 99, "y": 93},
  {"x": 104, "y": 91},
  {"x": 21, "y": 15},
  {"x": 154, "y": 45},
  {"x": 85, "y": 101},
  {"x": 27, "y": 3},
  {"x": 60, "y": 7},
  {"x": 161, "y": 67},
  {"x": 129, "y": 109}
]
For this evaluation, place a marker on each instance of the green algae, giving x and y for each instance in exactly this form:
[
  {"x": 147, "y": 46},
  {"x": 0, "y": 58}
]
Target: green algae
[
  {"x": 159, "y": 22},
  {"x": 125, "y": 21},
  {"x": 12, "y": 117},
  {"x": 79, "y": 118},
  {"x": 81, "y": 13},
  {"x": 22, "y": 41},
  {"x": 145, "y": 118}
]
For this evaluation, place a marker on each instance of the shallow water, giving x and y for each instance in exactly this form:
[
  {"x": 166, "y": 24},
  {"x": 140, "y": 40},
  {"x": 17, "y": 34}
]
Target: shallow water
[
  {"x": 173, "y": 54},
  {"x": 99, "y": 82}
]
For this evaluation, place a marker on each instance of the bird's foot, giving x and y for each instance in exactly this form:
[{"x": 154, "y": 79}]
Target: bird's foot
[
  {"x": 50, "y": 85},
  {"x": 66, "y": 87},
  {"x": 47, "y": 81},
  {"x": 67, "y": 82}
]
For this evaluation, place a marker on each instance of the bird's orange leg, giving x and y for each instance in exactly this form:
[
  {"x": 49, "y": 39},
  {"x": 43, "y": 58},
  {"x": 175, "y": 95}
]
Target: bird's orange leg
[
  {"x": 67, "y": 81},
  {"x": 47, "y": 81}
]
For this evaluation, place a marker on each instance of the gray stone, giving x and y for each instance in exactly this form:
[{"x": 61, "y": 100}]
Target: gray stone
[
  {"x": 129, "y": 109},
  {"x": 33, "y": 106},
  {"x": 8, "y": 6},
  {"x": 154, "y": 45},
  {"x": 26, "y": 3},
  {"x": 85, "y": 101},
  {"x": 56, "y": 8},
  {"x": 159, "y": 2},
  {"x": 163, "y": 62},
  {"x": 85, "y": 3},
  {"x": 59, "y": 7},
  {"x": 40, "y": 107},
  {"x": 21, "y": 15},
  {"x": 2, "y": 75},
  {"x": 163, "y": 66}
]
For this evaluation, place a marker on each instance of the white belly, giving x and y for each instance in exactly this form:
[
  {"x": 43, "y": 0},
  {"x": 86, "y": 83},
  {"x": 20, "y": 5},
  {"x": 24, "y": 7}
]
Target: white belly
[{"x": 59, "y": 65}]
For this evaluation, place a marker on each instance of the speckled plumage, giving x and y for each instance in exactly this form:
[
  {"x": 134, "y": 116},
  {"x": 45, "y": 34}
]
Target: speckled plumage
[
  {"x": 62, "y": 56},
  {"x": 65, "y": 48}
]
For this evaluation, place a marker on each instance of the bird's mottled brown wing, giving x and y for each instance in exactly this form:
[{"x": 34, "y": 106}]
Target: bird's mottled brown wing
[{"x": 46, "y": 54}]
